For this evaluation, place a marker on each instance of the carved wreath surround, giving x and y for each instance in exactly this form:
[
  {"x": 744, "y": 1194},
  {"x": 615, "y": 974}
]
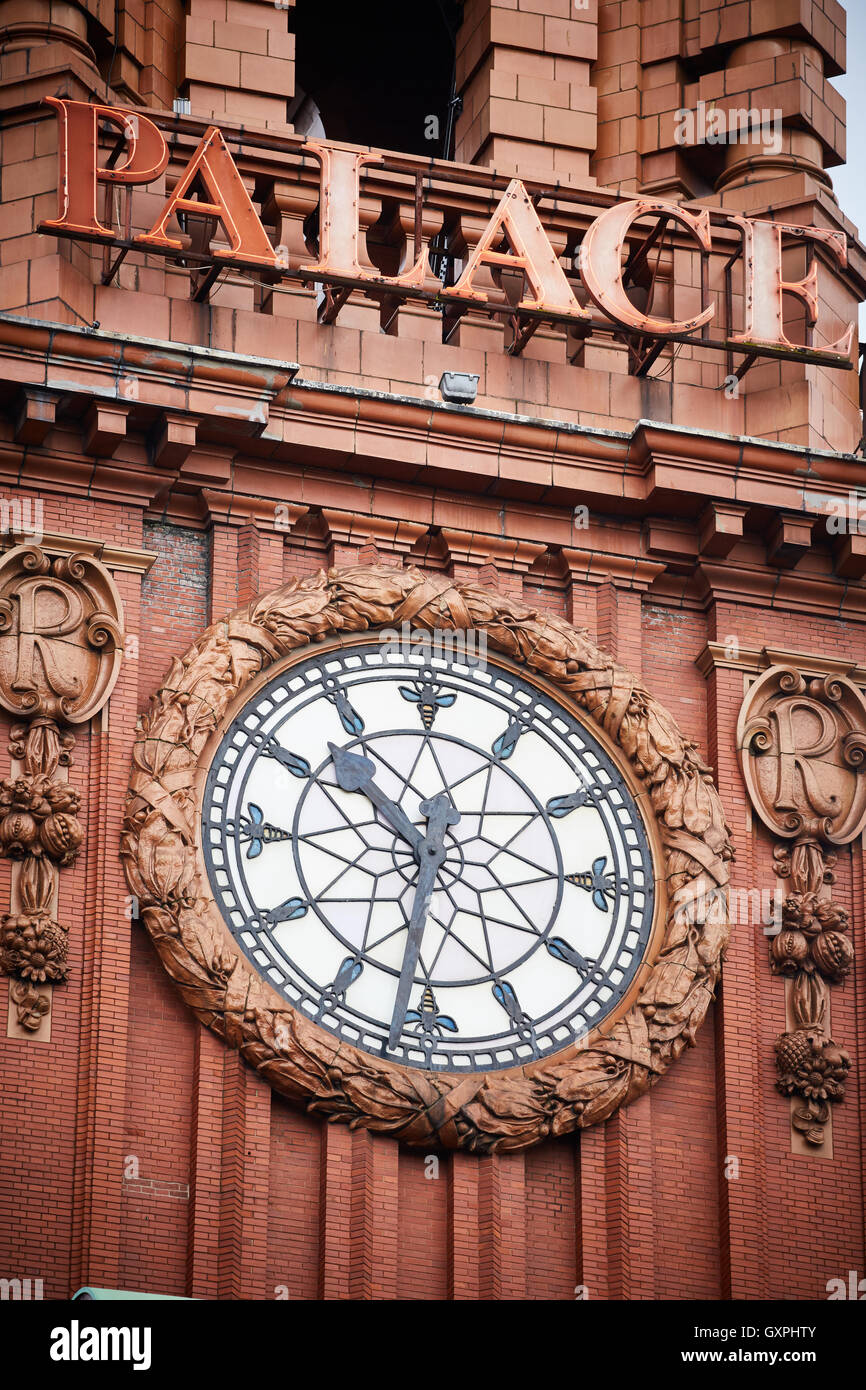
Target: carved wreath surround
[{"x": 509, "y": 1110}]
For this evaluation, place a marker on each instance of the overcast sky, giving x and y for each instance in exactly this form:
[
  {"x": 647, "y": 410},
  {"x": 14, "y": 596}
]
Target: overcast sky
[{"x": 849, "y": 180}]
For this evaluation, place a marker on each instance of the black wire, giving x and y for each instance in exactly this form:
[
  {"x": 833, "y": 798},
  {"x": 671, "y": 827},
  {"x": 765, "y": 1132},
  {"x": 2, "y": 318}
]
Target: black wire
[
  {"x": 454, "y": 101},
  {"x": 452, "y": 33}
]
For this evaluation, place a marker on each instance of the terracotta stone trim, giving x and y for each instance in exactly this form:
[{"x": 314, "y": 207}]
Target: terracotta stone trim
[
  {"x": 789, "y": 538},
  {"x": 315, "y": 423},
  {"x": 35, "y": 417},
  {"x": 114, "y": 557},
  {"x": 117, "y": 368},
  {"x": 783, "y": 590},
  {"x": 753, "y": 660},
  {"x": 623, "y": 571},
  {"x": 721, "y": 527},
  {"x": 850, "y": 557}
]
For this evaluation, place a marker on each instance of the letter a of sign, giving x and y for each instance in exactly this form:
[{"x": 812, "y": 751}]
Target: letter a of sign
[
  {"x": 213, "y": 168},
  {"x": 80, "y": 174},
  {"x": 516, "y": 219}
]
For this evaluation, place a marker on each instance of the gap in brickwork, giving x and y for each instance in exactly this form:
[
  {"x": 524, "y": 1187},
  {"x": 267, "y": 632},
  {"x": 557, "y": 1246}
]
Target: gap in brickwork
[{"x": 175, "y": 598}]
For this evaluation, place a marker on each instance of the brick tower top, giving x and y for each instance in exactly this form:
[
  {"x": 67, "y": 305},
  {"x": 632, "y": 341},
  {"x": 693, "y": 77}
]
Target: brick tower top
[{"x": 725, "y": 107}]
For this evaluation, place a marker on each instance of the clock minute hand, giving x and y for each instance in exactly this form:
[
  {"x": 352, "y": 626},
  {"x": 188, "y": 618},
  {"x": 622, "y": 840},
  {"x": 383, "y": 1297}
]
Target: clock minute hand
[
  {"x": 355, "y": 774},
  {"x": 440, "y": 814}
]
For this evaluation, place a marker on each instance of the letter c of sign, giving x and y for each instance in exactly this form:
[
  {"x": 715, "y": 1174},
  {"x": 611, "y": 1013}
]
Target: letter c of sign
[{"x": 601, "y": 263}]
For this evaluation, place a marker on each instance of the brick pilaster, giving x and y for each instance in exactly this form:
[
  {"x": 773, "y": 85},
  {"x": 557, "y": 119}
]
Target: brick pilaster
[
  {"x": 502, "y": 1227},
  {"x": 375, "y": 1200},
  {"x": 104, "y": 922},
  {"x": 464, "y": 1275},
  {"x": 224, "y": 589},
  {"x": 743, "y": 1198},
  {"x": 243, "y": 1246},
  {"x": 335, "y": 1213},
  {"x": 203, "y": 1236}
]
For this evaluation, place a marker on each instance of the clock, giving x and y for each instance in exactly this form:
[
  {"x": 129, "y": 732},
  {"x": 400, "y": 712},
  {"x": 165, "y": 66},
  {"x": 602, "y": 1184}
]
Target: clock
[
  {"x": 463, "y": 901},
  {"x": 433, "y": 858}
]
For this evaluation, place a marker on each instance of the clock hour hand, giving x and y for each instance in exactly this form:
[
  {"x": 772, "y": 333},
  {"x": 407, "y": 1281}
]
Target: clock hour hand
[
  {"x": 440, "y": 814},
  {"x": 355, "y": 774}
]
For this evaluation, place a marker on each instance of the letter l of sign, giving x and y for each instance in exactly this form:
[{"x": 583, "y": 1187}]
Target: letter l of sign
[{"x": 339, "y": 229}]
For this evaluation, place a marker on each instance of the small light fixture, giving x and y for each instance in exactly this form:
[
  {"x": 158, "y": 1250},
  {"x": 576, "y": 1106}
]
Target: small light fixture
[
  {"x": 182, "y": 106},
  {"x": 459, "y": 388}
]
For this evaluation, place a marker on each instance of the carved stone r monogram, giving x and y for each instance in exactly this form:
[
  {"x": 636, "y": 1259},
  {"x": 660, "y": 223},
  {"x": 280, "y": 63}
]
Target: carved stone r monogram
[
  {"x": 802, "y": 749},
  {"x": 60, "y": 648},
  {"x": 803, "y": 752}
]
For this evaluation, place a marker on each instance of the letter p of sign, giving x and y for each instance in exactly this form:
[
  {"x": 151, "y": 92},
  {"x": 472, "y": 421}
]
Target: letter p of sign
[{"x": 80, "y": 173}]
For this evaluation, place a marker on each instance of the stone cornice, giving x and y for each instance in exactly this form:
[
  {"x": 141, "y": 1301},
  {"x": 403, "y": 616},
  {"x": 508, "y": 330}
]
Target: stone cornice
[
  {"x": 791, "y": 590},
  {"x": 671, "y": 469},
  {"x": 114, "y": 557},
  {"x": 623, "y": 571},
  {"x": 65, "y": 359},
  {"x": 752, "y": 660},
  {"x": 204, "y": 431}
]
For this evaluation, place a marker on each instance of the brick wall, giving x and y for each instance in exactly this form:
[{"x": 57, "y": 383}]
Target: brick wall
[
  {"x": 354, "y": 1216},
  {"x": 135, "y": 1148}
]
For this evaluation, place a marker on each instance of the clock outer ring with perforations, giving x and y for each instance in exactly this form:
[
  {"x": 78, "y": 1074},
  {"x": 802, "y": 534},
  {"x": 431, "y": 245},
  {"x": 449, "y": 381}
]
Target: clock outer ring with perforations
[
  {"x": 254, "y": 825},
  {"x": 485, "y": 1110}
]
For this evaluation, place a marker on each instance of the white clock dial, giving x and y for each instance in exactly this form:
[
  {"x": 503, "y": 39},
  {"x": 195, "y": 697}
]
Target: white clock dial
[{"x": 436, "y": 861}]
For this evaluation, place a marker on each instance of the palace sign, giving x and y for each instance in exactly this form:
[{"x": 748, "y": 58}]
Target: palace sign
[{"x": 514, "y": 241}]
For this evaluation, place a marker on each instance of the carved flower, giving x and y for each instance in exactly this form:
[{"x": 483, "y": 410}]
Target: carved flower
[
  {"x": 33, "y": 948},
  {"x": 44, "y": 956},
  {"x": 798, "y": 913},
  {"x": 16, "y": 794},
  {"x": 833, "y": 954},
  {"x": 811, "y": 1066}
]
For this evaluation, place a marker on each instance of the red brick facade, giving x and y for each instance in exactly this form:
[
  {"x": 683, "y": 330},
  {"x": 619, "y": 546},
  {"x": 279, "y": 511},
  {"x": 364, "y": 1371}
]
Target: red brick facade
[{"x": 136, "y": 1150}]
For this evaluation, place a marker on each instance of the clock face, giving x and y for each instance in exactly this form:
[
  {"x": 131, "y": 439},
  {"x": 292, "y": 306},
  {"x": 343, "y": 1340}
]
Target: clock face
[{"x": 433, "y": 859}]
